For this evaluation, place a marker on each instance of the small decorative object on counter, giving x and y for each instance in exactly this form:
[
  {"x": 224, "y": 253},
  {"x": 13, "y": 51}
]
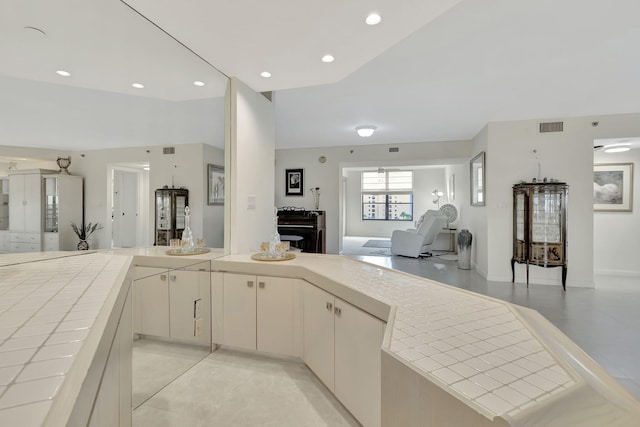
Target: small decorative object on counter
[
  {"x": 188, "y": 244},
  {"x": 83, "y": 233},
  {"x": 464, "y": 249}
]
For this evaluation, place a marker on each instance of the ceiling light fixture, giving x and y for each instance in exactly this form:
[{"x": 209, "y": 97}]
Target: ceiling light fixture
[
  {"x": 198, "y": 83},
  {"x": 265, "y": 74},
  {"x": 365, "y": 131},
  {"x": 617, "y": 148},
  {"x": 138, "y": 85},
  {"x": 373, "y": 19},
  {"x": 63, "y": 73},
  {"x": 328, "y": 58}
]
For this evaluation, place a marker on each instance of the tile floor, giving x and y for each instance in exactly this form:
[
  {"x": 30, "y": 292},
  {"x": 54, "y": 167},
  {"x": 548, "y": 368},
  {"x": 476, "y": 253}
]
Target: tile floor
[
  {"x": 605, "y": 323},
  {"x": 232, "y": 388}
]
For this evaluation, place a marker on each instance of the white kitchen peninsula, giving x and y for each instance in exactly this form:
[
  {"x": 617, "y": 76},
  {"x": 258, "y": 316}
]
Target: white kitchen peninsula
[{"x": 448, "y": 357}]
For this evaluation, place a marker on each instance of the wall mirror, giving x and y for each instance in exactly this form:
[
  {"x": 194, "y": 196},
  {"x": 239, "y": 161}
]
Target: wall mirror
[
  {"x": 44, "y": 114},
  {"x": 112, "y": 129},
  {"x": 477, "y": 178}
]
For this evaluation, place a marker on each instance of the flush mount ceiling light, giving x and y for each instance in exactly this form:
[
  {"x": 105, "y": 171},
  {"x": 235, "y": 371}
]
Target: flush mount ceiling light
[
  {"x": 328, "y": 58},
  {"x": 617, "y": 148},
  {"x": 265, "y": 74},
  {"x": 373, "y": 19},
  {"x": 198, "y": 83},
  {"x": 365, "y": 131},
  {"x": 63, "y": 73},
  {"x": 138, "y": 85}
]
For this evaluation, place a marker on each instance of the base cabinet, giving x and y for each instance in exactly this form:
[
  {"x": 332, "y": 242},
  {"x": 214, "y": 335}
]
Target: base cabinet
[
  {"x": 342, "y": 347},
  {"x": 172, "y": 304},
  {"x": 258, "y": 313}
]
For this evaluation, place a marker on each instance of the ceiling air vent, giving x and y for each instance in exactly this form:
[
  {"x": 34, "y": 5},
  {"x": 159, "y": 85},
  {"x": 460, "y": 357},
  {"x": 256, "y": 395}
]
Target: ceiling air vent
[
  {"x": 551, "y": 127},
  {"x": 393, "y": 149},
  {"x": 169, "y": 150}
]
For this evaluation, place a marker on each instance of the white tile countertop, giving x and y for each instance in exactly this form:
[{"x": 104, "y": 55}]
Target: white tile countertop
[
  {"x": 497, "y": 358},
  {"x": 477, "y": 348},
  {"x": 47, "y": 312}
]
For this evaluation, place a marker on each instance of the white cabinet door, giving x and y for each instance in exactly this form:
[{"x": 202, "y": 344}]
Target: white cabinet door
[
  {"x": 33, "y": 206},
  {"x": 239, "y": 320},
  {"x": 151, "y": 301},
  {"x": 358, "y": 338},
  {"x": 16, "y": 200},
  {"x": 275, "y": 315},
  {"x": 318, "y": 333},
  {"x": 185, "y": 288}
]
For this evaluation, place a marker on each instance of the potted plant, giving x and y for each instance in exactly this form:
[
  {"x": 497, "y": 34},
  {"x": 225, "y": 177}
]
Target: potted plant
[{"x": 83, "y": 233}]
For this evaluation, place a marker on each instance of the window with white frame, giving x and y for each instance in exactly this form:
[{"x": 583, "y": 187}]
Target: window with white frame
[{"x": 387, "y": 195}]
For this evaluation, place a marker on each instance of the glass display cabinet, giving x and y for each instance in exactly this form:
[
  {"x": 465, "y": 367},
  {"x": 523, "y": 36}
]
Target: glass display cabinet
[
  {"x": 170, "y": 220},
  {"x": 540, "y": 226}
]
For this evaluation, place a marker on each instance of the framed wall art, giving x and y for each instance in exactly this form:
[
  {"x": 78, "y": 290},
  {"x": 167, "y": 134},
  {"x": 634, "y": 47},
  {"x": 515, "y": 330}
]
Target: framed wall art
[
  {"x": 613, "y": 187},
  {"x": 294, "y": 182},
  {"x": 215, "y": 185},
  {"x": 478, "y": 183}
]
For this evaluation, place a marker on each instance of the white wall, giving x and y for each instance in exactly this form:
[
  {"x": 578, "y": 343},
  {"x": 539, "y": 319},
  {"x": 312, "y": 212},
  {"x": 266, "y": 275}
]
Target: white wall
[
  {"x": 328, "y": 176},
  {"x": 425, "y": 181},
  {"x": 252, "y": 135},
  {"x": 616, "y": 242},
  {"x": 567, "y": 156},
  {"x": 186, "y": 168},
  {"x": 475, "y": 217}
]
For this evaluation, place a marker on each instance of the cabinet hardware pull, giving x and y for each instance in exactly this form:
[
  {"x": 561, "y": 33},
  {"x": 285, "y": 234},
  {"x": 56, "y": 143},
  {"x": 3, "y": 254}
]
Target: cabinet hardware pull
[
  {"x": 261, "y": 284},
  {"x": 163, "y": 277},
  {"x": 329, "y": 306},
  {"x": 172, "y": 277},
  {"x": 338, "y": 311},
  {"x": 250, "y": 283}
]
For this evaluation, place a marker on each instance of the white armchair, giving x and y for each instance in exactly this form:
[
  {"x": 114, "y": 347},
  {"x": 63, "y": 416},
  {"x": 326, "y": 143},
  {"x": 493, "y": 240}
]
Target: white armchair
[{"x": 415, "y": 242}]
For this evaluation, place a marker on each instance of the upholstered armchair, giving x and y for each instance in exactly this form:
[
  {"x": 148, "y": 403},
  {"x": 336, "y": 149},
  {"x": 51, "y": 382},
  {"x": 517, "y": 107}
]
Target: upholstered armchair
[{"x": 416, "y": 242}]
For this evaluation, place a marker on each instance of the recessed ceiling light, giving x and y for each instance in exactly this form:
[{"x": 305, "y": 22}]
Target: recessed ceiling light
[
  {"x": 365, "y": 131},
  {"x": 63, "y": 73},
  {"x": 617, "y": 148},
  {"x": 373, "y": 19},
  {"x": 138, "y": 85},
  {"x": 328, "y": 58},
  {"x": 265, "y": 74},
  {"x": 198, "y": 83}
]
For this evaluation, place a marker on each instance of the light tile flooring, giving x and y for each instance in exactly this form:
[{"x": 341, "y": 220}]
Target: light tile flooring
[{"x": 232, "y": 388}]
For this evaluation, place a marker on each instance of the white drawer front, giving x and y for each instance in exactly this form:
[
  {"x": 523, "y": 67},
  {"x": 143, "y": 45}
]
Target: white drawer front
[
  {"x": 51, "y": 242},
  {"x": 25, "y": 238},
  {"x": 25, "y": 247}
]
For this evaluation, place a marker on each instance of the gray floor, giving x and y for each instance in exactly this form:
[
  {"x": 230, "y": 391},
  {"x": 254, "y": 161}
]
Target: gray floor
[{"x": 604, "y": 323}]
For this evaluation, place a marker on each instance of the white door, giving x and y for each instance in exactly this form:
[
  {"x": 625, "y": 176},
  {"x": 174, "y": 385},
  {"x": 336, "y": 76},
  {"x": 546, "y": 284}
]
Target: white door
[{"x": 125, "y": 208}]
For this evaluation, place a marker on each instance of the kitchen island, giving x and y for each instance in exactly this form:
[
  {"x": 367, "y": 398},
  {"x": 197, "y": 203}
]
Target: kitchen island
[{"x": 449, "y": 356}]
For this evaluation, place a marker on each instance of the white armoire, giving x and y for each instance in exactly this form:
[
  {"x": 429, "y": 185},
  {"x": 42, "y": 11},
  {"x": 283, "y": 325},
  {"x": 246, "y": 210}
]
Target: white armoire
[{"x": 30, "y": 203}]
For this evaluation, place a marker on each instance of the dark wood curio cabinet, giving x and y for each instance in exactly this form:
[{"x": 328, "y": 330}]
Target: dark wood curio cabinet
[{"x": 540, "y": 226}]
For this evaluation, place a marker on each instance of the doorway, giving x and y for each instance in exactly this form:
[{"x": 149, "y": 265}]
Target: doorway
[{"x": 129, "y": 205}]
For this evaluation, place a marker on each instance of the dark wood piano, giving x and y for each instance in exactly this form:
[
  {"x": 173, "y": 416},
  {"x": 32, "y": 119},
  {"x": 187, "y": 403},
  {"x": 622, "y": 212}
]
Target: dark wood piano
[{"x": 304, "y": 229}]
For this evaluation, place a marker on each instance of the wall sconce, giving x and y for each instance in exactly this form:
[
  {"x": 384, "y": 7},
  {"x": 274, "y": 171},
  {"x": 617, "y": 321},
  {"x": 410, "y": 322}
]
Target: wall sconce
[{"x": 437, "y": 194}]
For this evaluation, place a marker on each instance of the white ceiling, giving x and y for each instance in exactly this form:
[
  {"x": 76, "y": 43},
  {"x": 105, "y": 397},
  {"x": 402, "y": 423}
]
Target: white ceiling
[
  {"x": 433, "y": 70},
  {"x": 417, "y": 76}
]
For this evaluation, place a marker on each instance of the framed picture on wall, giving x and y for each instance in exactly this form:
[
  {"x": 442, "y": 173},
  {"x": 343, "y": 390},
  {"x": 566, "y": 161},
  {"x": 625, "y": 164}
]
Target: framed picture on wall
[
  {"x": 215, "y": 185},
  {"x": 294, "y": 182},
  {"x": 478, "y": 185},
  {"x": 613, "y": 187}
]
